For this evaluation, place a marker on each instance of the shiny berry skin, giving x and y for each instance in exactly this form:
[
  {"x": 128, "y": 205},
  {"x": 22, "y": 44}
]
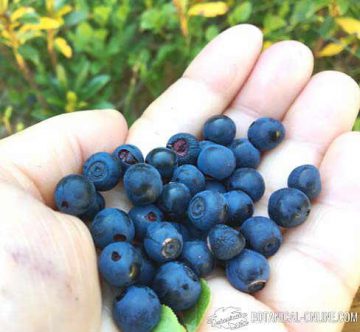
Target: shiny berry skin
[
  {"x": 120, "y": 264},
  {"x": 248, "y": 272},
  {"x": 240, "y": 207},
  {"x": 225, "y": 242},
  {"x": 186, "y": 147},
  {"x": 204, "y": 144},
  {"x": 191, "y": 177},
  {"x": 289, "y": 207},
  {"x": 249, "y": 181},
  {"x": 216, "y": 161},
  {"x": 163, "y": 242},
  {"x": 137, "y": 309},
  {"x": 219, "y": 129},
  {"x": 143, "y": 184},
  {"x": 307, "y": 179},
  {"x": 206, "y": 209},
  {"x": 177, "y": 286},
  {"x": 75, "y": 195},
  {"x": 111, "y": 225},
  {"x": 262, "y": 235},
  {"x": 147, "y": 269},
  {"x": 128, "y": 155},
  {"x": 95, "y": 208},
  {"x": 246, "y": 154},
  {"x": 266, "y": 133},
  {"x": 214, "y": 185},
  {"x": 164, "y": 160}
]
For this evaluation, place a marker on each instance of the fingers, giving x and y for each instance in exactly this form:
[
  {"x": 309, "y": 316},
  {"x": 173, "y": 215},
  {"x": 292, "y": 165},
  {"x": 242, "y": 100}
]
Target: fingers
[
  {"x": 38, "y": 157},
  {"x": 206, "y": 88},
  {"x": 278, "y": 77}
]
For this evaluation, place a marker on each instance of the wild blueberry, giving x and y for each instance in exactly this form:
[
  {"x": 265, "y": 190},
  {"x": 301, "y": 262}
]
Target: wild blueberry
[
  {"x": 164, "y": 160},
  {"x": 206, "y": 209},
  {"x": 289, "y": 207},
  {"x": 182, "y": 229},
  {"x": 216, "y": 161},
  {"x": 262, "y": 235},
  {"x": 225, "y": 242},
  {"x": 177, "y": 286},
  {"x": 163, "y": 242},
  {"x": 195, "y": 233},
  {"x": 307, "y": 179},
  {"x": 143, "y": 184},
  {"x": 75, "y": 194},
  {"x": 248, "y": 272},
  {"x": 204, "y": 144},
  {"x": 191, "y": 177},
  {"x": 213, "y": 185},
  {"x": 266, "y": 133},
  {"x": 128, "y": 155},
  {"x": 246, "y": 154},
  {"x": 137, "y": 309},
  {"x": 111, "y": 225},
  {"x": 219, "y": 129},
  {"x": 186, "y": 147},
  {"x": 240, "y": 207},
  {"x": 120, "y": 264},
  {"x": 248, "y": 180},
  {"x": 147, "y": 270},
  {"x": 96, "y": 207}
]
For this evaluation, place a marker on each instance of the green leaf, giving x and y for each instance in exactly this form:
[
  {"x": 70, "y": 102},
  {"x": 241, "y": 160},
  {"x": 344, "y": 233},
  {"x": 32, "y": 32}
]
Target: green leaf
[
  {"x": 102, "y": 14},
  {"x": 211, "y": 32},
  {"x": 305, "y": 10},
  {"x": 30, "y": 53},
  {"x": 76, "y": 17},
  {"x": 168, "y": 322},
  {"x": 193, "y": 317},
  {"x": 357, "y": 125},
  {"x": 241, "y": 13},
  {"x": 95, "y": 85},
  {"x": 272, "y": 23}
]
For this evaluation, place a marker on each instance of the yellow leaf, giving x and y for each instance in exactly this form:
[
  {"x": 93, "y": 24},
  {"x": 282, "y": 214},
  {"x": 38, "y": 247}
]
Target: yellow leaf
[
  {"x": 209, "y": 9},
  {"x": 20, "y": 12},
  {"x": 3, "y": 6},
  {"x": 45, "y": 23},
  {"x": 63, "y": 46},
  {"x": 331, "y": 50},
  {"x": 349, "y": 25},
  {"x": 267, "y": 44},
  {"x": 5, "y": 34},
  {"x": 63, "y": 11}
]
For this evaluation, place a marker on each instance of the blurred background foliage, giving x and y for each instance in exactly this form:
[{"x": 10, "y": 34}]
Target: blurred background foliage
[{"x": 59, "y": 56}]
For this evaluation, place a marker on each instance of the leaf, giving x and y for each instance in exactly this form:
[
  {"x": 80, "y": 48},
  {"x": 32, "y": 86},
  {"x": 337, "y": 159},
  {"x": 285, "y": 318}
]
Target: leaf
[
  {"x": 331, "y": 50},
  {"x": 267, "y": 44},
  {"x": 241, "y": 13},
  {"x": 45, "y": 23},
  {"x": 211, "y": 32},
  {"x": 3, "y": 6},
  {"x": 357, "y": 125},
  {"x": 209, "y": 9},
  {"x": 193, "y": 317},
  {"x": 63, "y": 11},
  {"x": 76, "y": 17},
  {"x": 20, "y": 12},
  {"x": 63, "y": 46},
  {"x": 168, "y": 322},
  {"x": 349, "y": 25},
  {"x": 95, "y": 85},
  {"x": 272, "y": 23}
]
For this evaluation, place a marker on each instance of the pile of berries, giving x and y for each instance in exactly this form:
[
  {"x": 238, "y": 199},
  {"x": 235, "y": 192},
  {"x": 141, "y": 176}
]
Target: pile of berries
[{"x": 193, "y": 205}]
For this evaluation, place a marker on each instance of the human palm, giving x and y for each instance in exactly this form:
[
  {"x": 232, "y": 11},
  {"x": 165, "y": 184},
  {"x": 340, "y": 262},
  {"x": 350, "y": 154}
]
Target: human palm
[{"x": 49, "y": 279}]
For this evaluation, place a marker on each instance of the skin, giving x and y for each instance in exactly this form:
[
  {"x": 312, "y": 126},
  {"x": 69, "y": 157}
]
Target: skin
[{"x": 49, "y": 279}]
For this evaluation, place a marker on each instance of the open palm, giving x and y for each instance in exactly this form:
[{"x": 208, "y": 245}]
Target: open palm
[{"x": 49, "y": 280}]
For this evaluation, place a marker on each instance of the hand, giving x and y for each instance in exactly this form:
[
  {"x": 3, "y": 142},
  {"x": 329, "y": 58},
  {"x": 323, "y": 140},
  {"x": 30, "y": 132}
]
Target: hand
[{"x": 49, "y": 279}]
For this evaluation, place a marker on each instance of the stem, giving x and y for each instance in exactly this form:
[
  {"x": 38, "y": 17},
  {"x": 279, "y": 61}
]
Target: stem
[
  {"x": 50, "y": 47},
  {"x": 182, "y": 18}
]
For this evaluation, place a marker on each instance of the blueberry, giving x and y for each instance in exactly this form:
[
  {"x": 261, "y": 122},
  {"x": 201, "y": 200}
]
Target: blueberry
[
  {"x": 143, "y": 216},
  {"x": 225, "y": 242},
  {"x": 307, "y": 179},
  {"x": 204, "y": 144},
  {"x": 213, "y": 185},
  {"x": 198, "y": 257},
  {"x": 248, "y": 272},
  {"x": 120, "y": 264},
  {"x": 248, "y": 180},
  {"x": 183, "y": 230},
  {"x": 266, "y": 133},
  {"x": 174, "y": 200},
  {"x": 206, "y": 209},
  {"x": 262, "y": 235},
  {"x": 191, "y": 177},
  {"x": 289, "y": 207},
  {"x": 219, "y": 129},
  {"x": 163, "y": 242},
  {"x": 143, "y": 184},
  {"x": 111, "y": 225},
  {"x": 177, "y": 286},
  {"x": 246, "y": 154},
  {"x": 137, "y": 309},
  {"x": 147, "y": 270},
  {"x": 96, "y": 207},
  {"x": 75, "y": 194},
  {"x": 216, "y": 161},
  {"x": 128, "y": 155},
  {"x": 164, "y": 160},
  {"x": 196, "y": 234},
  {"x": 240, "y": 207},
  {"x": 186, "y": 146}
]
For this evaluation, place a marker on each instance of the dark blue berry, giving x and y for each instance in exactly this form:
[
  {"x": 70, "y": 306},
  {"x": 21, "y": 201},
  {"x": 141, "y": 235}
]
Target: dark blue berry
[
  {"x": 266, "y": 133},
  {"x": 183, "y": 230},
  {"x": 248, "y": 272},
  {"x": 147, "y": 270},
  {"x": 163, "y": 242},
  {"x": 246, "y": 154},
  {"x": 120, "y": 264},
  {"x": 216, "y": 161},
  {"x": 219, "y": 129},
  {"x": 213, "y": 185},
  {"x": 177, "y": 286},
  {"x": 143, "y": 184},
  {"x": 137, "y": 309},
  {"x": 191, "y": 177},
  {"x": 240, "y": 207},
  {"x": 75, "y": 194},
  {"x": 225, "y": 242},
  {"x": 248, "y": 180},
  {"x": 262, "y": 235},
  {"x": 186, "y": 147},
  {"x": 111, "y": 225},
  {"x": 128, "y": 155},
  {"x": 98, "y": 205},
  {"x": 307, "y": 179},
  {"x": 204, "y": 144},
  {"x": 289, "y": 207},
  {"x": 164, "y": 160}
]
